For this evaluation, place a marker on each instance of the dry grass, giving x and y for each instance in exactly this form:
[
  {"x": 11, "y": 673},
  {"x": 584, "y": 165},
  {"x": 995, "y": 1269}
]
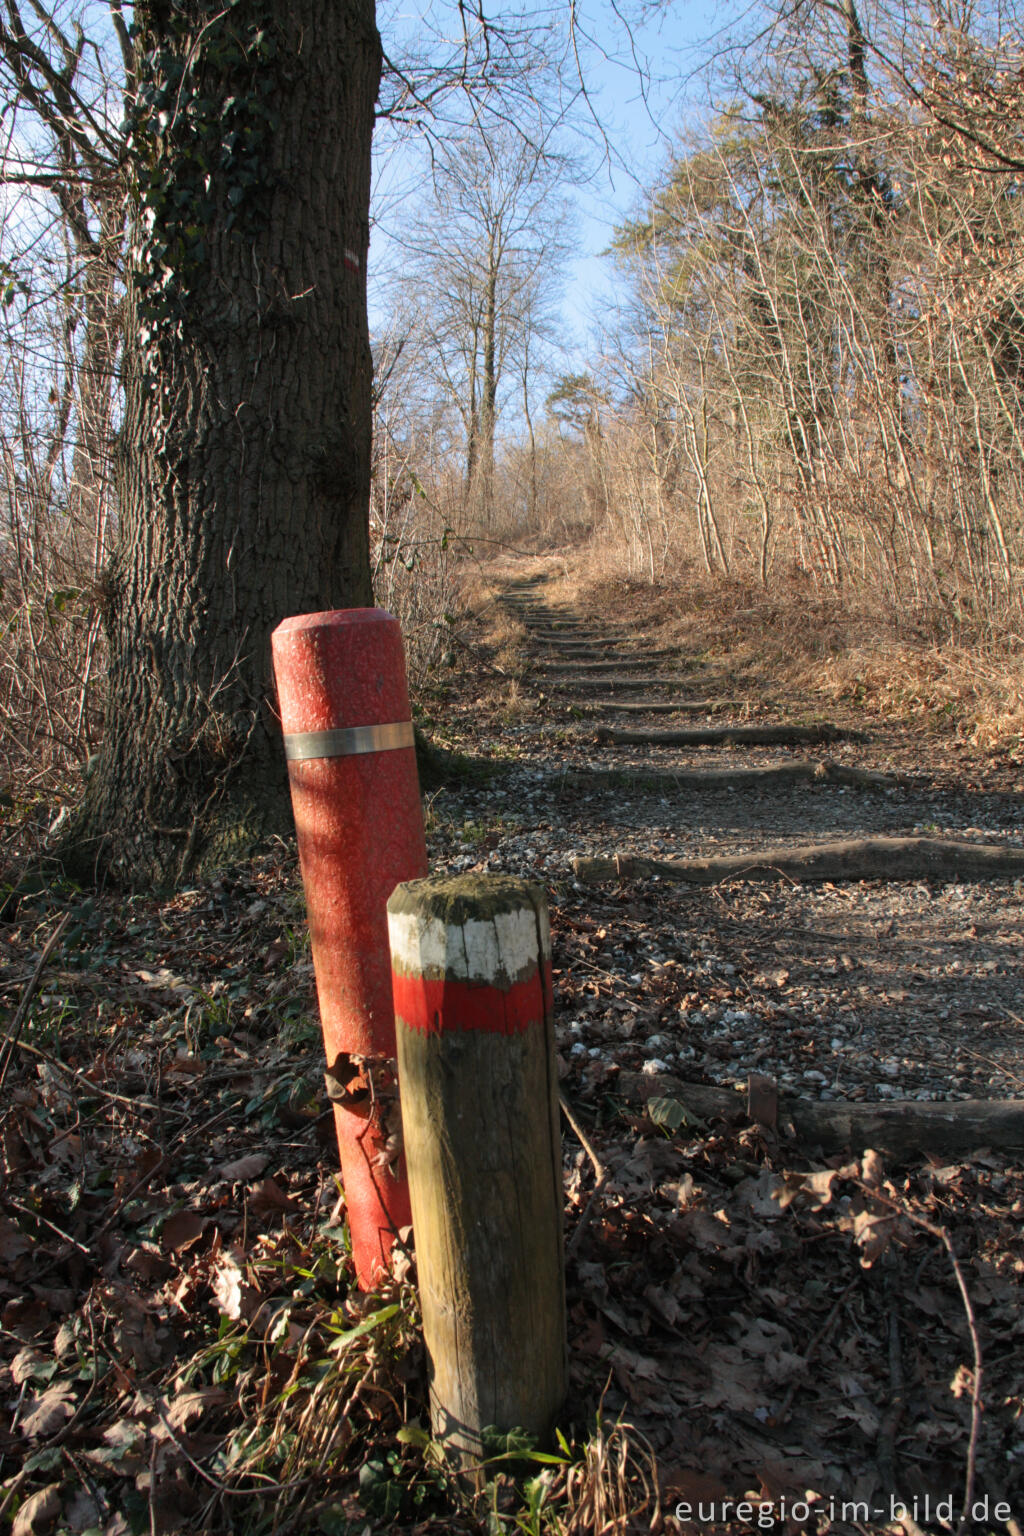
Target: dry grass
[
  {"x": 614, "y": 1488},
  {"x": 975, "y": 690}
]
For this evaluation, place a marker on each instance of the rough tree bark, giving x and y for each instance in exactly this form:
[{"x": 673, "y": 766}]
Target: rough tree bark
[{"x": 244, "y": 460}]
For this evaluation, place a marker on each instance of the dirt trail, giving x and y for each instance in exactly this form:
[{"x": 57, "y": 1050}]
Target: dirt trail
[
  {"x": 771, "y": 1326},
  {"x": 871, "y": 989},
  {"x": 774, "y": 1327}
]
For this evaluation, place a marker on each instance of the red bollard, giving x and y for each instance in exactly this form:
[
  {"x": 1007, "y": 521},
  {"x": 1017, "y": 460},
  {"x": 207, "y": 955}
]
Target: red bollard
[{"x": 355, "y": 796}]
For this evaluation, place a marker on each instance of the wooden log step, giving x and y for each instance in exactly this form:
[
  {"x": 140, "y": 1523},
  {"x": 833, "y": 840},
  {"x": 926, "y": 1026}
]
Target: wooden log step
[
  {"x": 592, "y": 645},
  {"x": 748, "y": 735},
  {"x": 566, "y": 640},
  {"x": 625, "y": 684},
  {"x": 898, "y": 1129},
  {"x": 665, "y": 706},
  {"x": 576, "y": 634},
  {"x": 598, "y": 655},
  {"x": 568, "y": 668},
  {"x": 867, "y": 858},
  {"x": 540, "y": 611},
  {"x": 694, "y": 780}
]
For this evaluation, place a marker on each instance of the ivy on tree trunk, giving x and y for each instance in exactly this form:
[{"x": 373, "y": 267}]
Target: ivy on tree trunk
[{"x": 243, "y": 464}]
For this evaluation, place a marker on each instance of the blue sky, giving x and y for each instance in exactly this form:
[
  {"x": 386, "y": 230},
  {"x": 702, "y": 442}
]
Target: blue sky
[
  {"x": 642, "y": 112},
  {"x": 642, "y": 87}
]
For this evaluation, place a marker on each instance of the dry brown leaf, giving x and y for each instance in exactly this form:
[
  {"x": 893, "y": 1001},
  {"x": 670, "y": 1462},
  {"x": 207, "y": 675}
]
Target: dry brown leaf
[
  {"x": 82, "y": 1512},
  {"x": 186, "y": 1406},
  {"x": 243, "y": 1168},
  {"x": 663, "y": 1304},
  {"x": 181, "y": 1230},
  {"x": 24, "y": 1364},
  {"x": 763, "y": 1196},
  {"x": 813, "y": 1189},
  {"x": 13, "y": 1241},
  {"x": 48, "y": 1410},
  {"x": 38, "y": 1513},
  {"x": 704, "y": 1230},
  {"x": 269, "y": 1196},
  {"x": 873, "y": 1234},
  {"x": 782, "y": 1367},
  {"x": 962, "y": 1384}
]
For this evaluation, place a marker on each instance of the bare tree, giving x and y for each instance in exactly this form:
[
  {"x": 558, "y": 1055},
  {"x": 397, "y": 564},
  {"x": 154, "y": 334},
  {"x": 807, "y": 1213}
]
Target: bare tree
[
  {"x": 487, "y": 261},
  {"x": 827, "y": 311}
]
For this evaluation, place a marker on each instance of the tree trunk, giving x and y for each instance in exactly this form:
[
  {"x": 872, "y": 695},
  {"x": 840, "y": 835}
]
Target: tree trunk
[
  {"x": 244, "y": 461},
  {"x": 488, "y": 403}
]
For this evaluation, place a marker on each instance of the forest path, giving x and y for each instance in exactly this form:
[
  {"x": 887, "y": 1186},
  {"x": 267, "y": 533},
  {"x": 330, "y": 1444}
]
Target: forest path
[
  {"x": 881, "y": 990},
  {"x": 768, "y": 1324}
]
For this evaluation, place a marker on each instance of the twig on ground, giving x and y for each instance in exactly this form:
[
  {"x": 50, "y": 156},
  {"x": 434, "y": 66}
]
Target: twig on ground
[
  {"x": 46, "y": 1222},
  {"x": 944, "y": 1238},
  {"x": 32, "y": 986},
  {"x": 600, "y": 1176},
  {"x": 822, "y": 1334},
  {"x": 885, "y": 1440}
]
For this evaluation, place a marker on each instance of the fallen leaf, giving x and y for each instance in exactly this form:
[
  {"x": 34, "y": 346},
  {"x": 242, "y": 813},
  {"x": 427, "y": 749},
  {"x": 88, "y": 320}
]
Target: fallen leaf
[
  {"x": 181, "y": 1230},
  {"x": 38, "y": 1513},
  {"x": 123, "y": 1438},
  {"x": 704, "y": 1230},
  {"x": 782, "y": 1367},
  {"x": 670, "y": 1114},
  {"x": 25, "y": 1365},
  {"x": 13, "y": 1241},
  {"x": 269, "y": 1196},
  {"x": 763, "y": 1196},
  {"x": 147, "y": 1265},
  {"x": 82, "y": 1512},
  {"x": 275, "y": 953},
  {"x": 873, "y": 1234},
  {"x": 243, "y": 1168},
  {"x": 663, "y": 1304},
  {"x": 48, "y": 1410},
  {"x": 962, "y": 1384},
  {"x": 189, "y": 1405},
  {"x": 814, "y": 1189}
]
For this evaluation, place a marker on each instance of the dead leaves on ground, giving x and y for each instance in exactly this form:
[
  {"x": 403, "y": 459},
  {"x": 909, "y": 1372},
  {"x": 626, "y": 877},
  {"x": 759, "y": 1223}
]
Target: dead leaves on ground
[
  {"x": 178, "y": 1321},
  {"x": 761, "y": 1321},
  {"x": 178, "y": 1318}
]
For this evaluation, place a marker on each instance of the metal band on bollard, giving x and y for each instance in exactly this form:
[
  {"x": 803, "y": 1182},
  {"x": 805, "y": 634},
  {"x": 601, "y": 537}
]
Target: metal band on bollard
[{"x": 348, "y": 741}]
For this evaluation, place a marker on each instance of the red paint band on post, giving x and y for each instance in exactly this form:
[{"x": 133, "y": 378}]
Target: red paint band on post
[{"x": 437, "y": 1006}]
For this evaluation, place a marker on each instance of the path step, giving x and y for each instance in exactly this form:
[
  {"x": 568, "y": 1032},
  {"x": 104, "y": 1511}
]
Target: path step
[
  {"x": 666, "y": 706},
  {"x": 583, "y": 637},
  {"x": 725, "y": 776},
  {"x": 777, "y": 735},
  {"x": 569, "y": 669},
  {"x": 622, "y": 684},
  {"x": 613, "y": 656}
]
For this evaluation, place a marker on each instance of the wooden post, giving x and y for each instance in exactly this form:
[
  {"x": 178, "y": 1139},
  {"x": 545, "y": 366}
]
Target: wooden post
[{"x": 471, "y": 968}]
